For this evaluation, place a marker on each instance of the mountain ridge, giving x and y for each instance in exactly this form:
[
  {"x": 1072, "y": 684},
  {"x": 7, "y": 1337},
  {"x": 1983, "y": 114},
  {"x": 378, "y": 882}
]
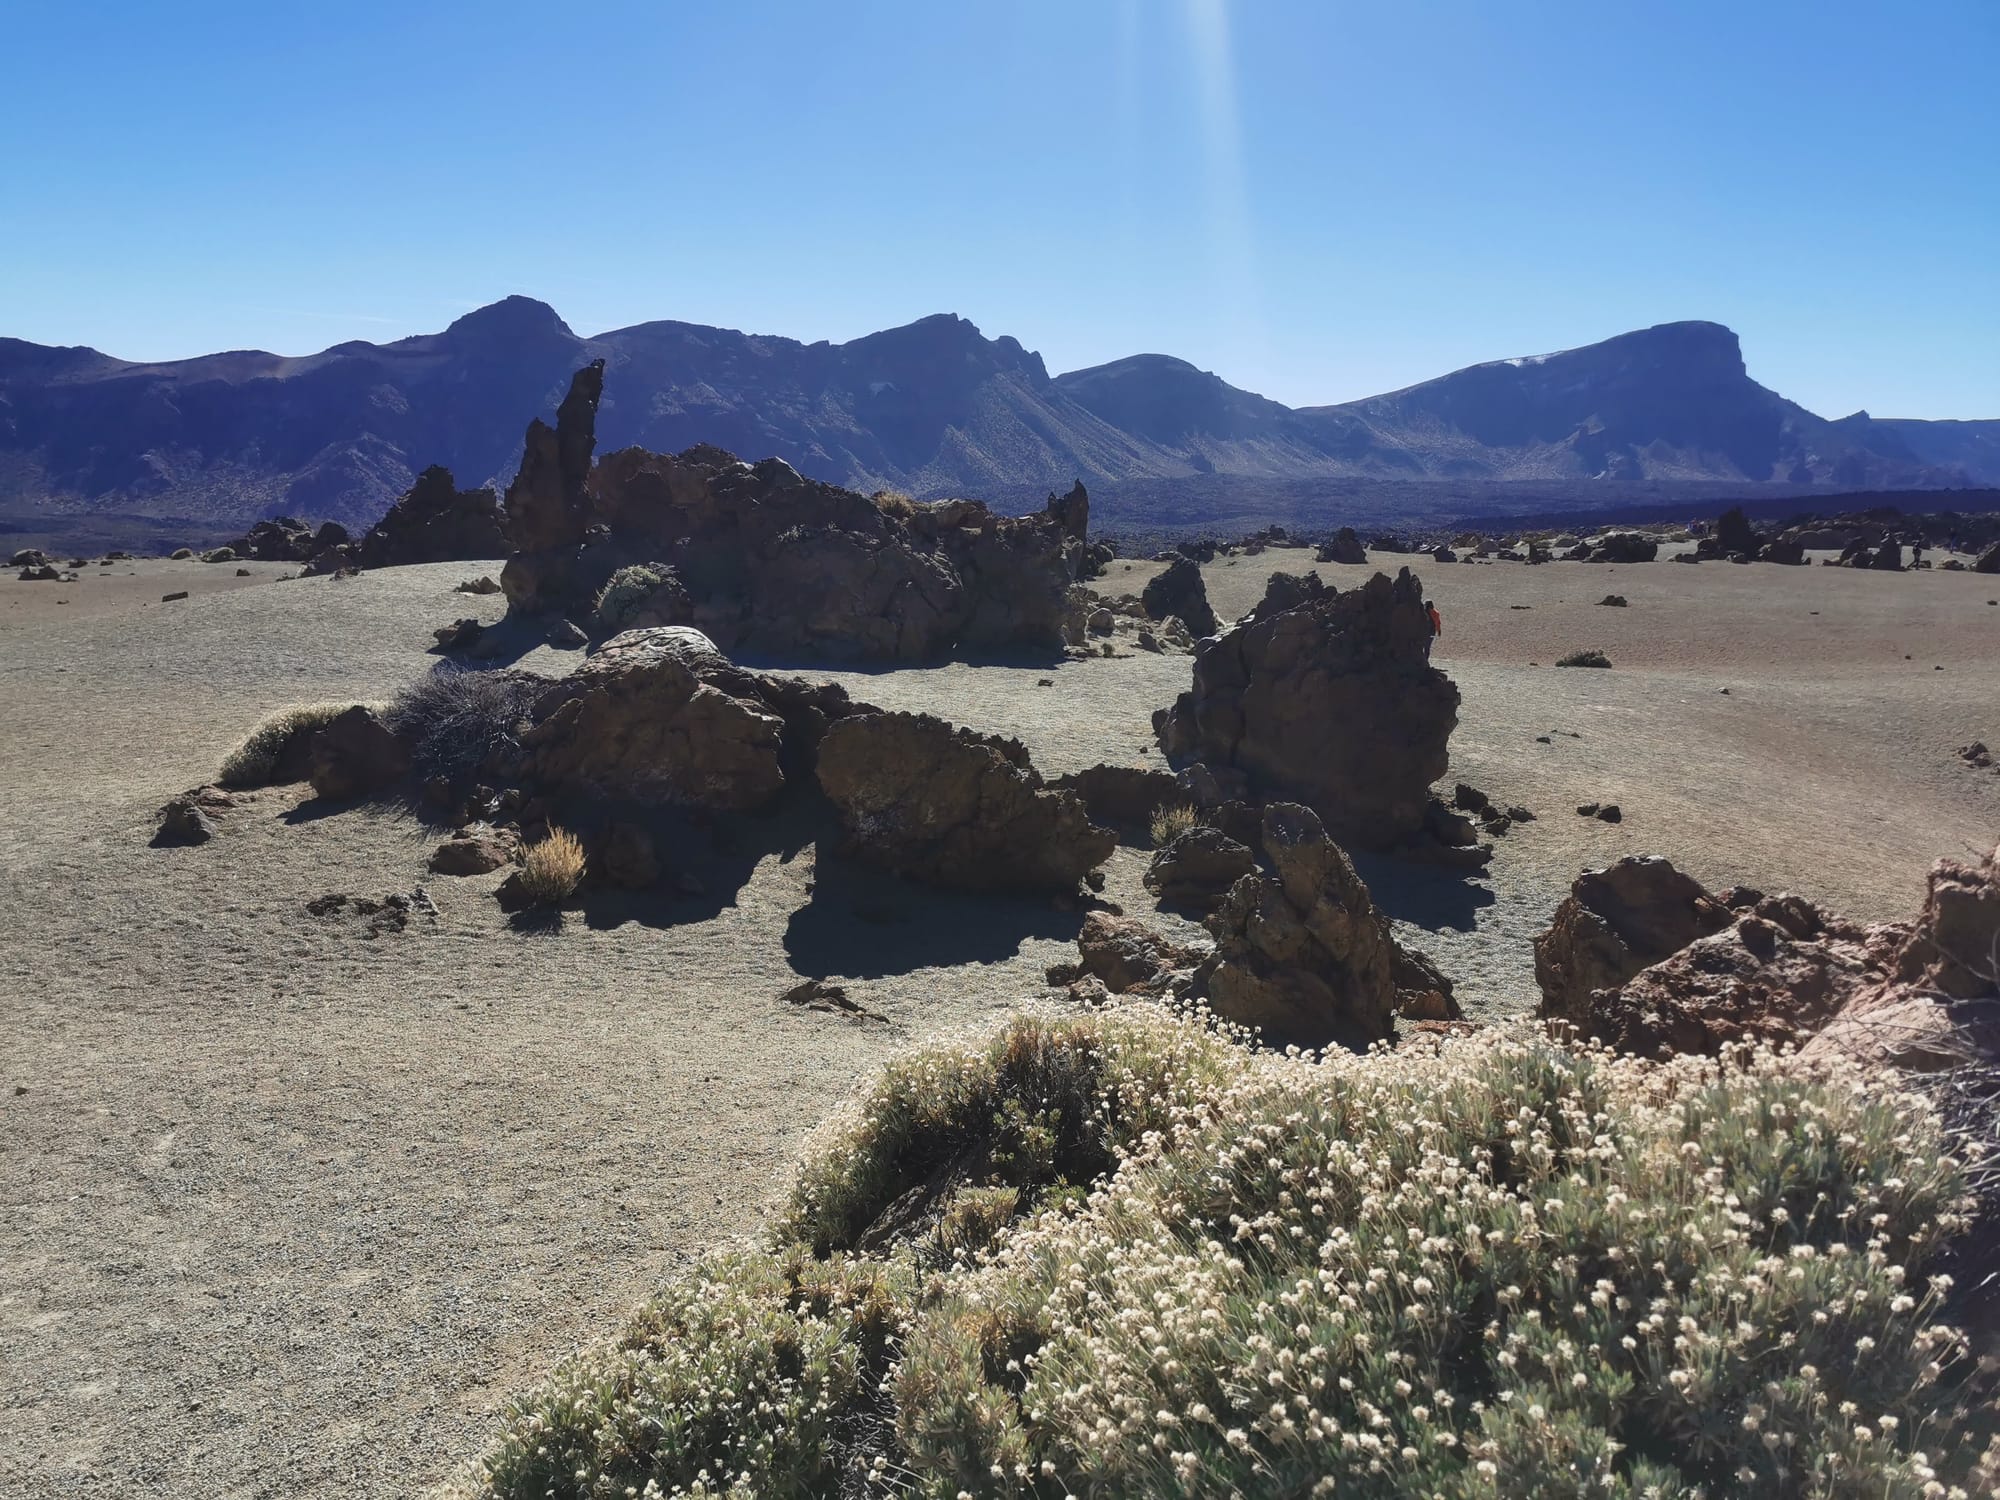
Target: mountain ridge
[{"x": 933, "y": 406}]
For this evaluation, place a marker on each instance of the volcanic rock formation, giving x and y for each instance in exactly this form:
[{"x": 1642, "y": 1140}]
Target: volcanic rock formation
[
  {"x": 955, "y": 808},
  {"x": 777, "y": 563},
  {"x": 1328, "y": 701}
]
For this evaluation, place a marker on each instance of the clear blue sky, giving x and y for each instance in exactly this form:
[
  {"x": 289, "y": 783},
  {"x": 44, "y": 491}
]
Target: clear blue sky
[{"x": 1315, "y": 199}]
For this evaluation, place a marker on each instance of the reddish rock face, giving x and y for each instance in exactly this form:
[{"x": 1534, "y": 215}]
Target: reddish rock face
[
  {"x": 955, "y": 808},
  {"x": 1325, "y": 698},
  {"x": 1613, "y": 923},
  {"x": 1127, "y": 955}
]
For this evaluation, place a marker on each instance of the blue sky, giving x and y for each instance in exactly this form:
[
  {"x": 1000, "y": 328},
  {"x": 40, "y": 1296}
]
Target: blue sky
[{"x": 1315, "y": 199}]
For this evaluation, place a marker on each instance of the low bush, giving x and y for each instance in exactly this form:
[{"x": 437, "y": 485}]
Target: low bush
[
  {"x": 1584, "y": 659},
  {"x": 627, "y": 593},
  {"x": 272, "y": 745},
  {"x": 1171, "y": 821},
  {"x": 1494, "y": 1268},
  {"x": 552, "y": 868},
  {"x": 456, "y": 719}
]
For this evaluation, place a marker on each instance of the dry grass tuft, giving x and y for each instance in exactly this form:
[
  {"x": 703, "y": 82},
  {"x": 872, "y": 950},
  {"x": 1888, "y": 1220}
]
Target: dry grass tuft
[
  {"x": 1170, "y": 822},
  {"x": 256, "y": 760},
  {"x": 896, "y": 503},
  {"x": 552, "y": 869}
]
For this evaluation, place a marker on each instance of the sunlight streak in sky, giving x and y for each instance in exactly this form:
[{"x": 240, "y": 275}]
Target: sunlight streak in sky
[{"x": 1238, "y": 303}]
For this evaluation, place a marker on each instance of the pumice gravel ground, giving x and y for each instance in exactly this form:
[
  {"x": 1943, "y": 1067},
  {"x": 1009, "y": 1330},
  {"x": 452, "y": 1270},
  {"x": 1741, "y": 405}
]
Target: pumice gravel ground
[{"x": 288, "y": 1209}]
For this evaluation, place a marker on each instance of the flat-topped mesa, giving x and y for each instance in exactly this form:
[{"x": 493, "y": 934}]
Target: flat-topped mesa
[
  {"x": 773, "y": 562},
  {"x": 1325, "y": 698}
]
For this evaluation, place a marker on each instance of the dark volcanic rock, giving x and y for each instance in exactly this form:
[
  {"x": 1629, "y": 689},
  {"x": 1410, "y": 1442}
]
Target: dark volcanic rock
[
  {"x": 1128, "y": 955},
  {"x": 945, "y": 805},
  {"x": 1179, "y": 591},
  {"x": 356, "y": 754},
  {"x": 1302, "y": 954},
  {"x": 1122, "y": 796},
  {"x": 773, "y": 562},
  {"x": 435, "y": 521},
  {"x": 1344, "y": 548},
  {"x": 1330, "y": 702},
  {"x": 1625, "y": 547},
  {"x": 1613, "y": 923},
  {"x": 1988, "y": 561},
  {"x": 1197, "y": 868},
  {"x": 661, "y": 717}
]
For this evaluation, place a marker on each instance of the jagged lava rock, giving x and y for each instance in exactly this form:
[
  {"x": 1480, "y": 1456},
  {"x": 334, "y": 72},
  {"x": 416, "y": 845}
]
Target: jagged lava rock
[
  {"x": 435, "y": 521},
  {"x": 1328, "y": 701},
  {"x": 1180, "y": 592},
  {"x": 1197, "y": 868},
  {"x": 946, "y": 805},
  {"x": 1613, "y": 923}
]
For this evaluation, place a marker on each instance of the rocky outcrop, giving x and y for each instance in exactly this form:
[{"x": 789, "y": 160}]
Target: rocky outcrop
[
  {"x": 435, "y": 521},
  {"x": 1624, "y": 547},
  {"x": 186, "y": 820},
  {"x": 1128, "y": 956},
  {"x": 1988, "y": 561},
  {"x": 1329, "y": 702},
  {"x": 1122, "y": 796},
  {"x": 1613, "y": 923},
  {"x": 955, "y": 808},
  {"x": 1302, "y": 954},
  {"x": 288, "y": 539},
  {"x": 1179, "y": 592},
  {"x": 661, "y": 717},
  {"x": 1197, "y": 868},
  {"x": 773, "y": 562},
  {"x": 356, "y": 754},
  {"x": 1345, "y": 547}
]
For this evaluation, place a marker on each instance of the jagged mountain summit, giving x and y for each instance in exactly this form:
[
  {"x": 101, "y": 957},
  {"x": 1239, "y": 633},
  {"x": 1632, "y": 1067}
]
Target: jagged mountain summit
[{"x": 934, "y": 407}]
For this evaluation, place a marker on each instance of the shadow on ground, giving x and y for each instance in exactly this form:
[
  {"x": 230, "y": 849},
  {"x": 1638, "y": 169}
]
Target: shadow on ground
[
  {"x": 1423, "y": 895},
  {"x": 863, "y": 924}
]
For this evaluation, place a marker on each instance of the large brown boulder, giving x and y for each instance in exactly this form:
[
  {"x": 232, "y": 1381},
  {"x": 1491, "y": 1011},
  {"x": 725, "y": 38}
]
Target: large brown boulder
[
  {"x": 1329, "y": 702},
  {"x": 1302, "y": 954},
  {"x": 1198, "y": 868},
  {"x": 356, "y": 754},
  {"x": 434, "y": 521},
  {"x": 780, "y": 564},
  {"x": 1777, "y": 974},
  {"x": 659, "y": 716},
  {"x": 1180, "y": 592},
  {"x": 1345, "y": 547},
  {"x": 1123, "y": 796},
  {"x": 1613, "y": 923},
  {"x": 955, "y": 808},
  {"x": 1127, "y": 955},
  {"x": 1625, "y": 547},
  {"x": 1988, "y": 561}
]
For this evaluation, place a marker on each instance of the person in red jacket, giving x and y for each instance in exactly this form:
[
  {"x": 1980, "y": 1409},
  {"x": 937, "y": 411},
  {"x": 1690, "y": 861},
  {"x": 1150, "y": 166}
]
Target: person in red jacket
[{"x": 1436, "y": 630}]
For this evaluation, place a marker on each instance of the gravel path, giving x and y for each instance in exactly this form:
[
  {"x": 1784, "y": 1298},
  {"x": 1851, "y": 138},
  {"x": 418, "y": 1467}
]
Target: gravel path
[{"x": 288, "y": 1209}]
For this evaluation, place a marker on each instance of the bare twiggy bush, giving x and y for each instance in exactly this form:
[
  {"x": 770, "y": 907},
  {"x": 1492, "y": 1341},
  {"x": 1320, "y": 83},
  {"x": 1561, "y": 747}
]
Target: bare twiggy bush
[{"x": 457, "y": 719}]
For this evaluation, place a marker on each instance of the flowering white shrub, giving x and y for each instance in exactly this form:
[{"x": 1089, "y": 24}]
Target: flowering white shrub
[{"x": 1497, "y": 1267}]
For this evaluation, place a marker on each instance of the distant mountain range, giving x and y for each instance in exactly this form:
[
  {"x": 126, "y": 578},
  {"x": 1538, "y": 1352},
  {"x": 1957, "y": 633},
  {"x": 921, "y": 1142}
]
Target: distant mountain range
[{"x": 932, "y": 408}]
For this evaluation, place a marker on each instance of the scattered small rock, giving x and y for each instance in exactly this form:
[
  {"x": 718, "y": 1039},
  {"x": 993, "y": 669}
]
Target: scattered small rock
[
  {"x": 1610, "y": 813},
  {"x": 566, "y": 635},
  {"x": 480, "y": 585},
  {"x": 1614, "y": 601},
  {"x": 170, "y": 598},
  {"x": 1584, "y": 659}
]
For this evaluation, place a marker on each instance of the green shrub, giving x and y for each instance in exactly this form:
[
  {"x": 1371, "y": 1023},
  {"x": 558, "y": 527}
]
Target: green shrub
[
  {"x": 1584, "y": 659},
  {"x": 254, "y": 762},
  {"x": 1492, "y": 1268},
  {"x": 627, "y": 593}
]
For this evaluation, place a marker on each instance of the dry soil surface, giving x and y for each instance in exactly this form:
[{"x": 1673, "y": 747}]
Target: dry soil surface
[{"x": 287, "y": 1208}]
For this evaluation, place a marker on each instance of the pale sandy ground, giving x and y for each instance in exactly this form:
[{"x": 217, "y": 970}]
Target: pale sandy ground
[{"x": 288, "y": 1210}]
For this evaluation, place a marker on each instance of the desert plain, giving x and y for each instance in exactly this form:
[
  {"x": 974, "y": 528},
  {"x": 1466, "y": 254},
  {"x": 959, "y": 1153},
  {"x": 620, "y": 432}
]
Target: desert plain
[{"x": 288, "y": 1207}]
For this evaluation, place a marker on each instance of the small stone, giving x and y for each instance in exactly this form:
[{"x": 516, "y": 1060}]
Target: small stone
[
  {"x": 170, "y": 598},
  {"x": 1586, "y": 809},
  {"x": 1609, "y": 813}
]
